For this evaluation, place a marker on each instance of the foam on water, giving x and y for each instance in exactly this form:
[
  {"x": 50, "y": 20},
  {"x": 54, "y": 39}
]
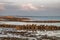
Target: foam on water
[{"x": 25, "y": 23}]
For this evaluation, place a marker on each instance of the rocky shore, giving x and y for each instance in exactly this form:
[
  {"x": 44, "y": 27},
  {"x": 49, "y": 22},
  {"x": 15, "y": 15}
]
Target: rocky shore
[
  {"x": 8, "y": 31},
  {"x": 12, "y": 18}
]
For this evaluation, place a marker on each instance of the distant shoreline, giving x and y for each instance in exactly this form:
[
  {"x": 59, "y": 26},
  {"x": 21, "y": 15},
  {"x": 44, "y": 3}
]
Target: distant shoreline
[
  {"x": 43, "y": 21},
  {"x": 37, "y": 21},
  {"x": 12, "y": 18}
]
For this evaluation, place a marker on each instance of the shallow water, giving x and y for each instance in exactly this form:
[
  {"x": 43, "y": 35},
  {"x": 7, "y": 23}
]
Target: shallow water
[
  {"x": 25, "y": 23},
  {"x": 41, "y": 17}
]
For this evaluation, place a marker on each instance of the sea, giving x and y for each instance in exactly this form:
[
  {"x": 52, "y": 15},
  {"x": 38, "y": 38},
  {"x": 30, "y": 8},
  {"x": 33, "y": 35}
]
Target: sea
[
  {"x": 41, "y": 17},
  {"x": 34, "y": 18}
]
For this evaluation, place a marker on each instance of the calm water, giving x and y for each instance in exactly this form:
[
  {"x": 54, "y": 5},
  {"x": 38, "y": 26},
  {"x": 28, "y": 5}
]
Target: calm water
[{"x": 41, "y": 17}]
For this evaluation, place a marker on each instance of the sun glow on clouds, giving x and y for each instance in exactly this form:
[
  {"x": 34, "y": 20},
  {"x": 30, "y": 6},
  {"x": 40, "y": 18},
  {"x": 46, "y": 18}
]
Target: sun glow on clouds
[{"x": 29, "y": 6}]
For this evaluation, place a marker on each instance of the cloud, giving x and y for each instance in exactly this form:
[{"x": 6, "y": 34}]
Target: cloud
[
  {"x": 29, "y": 6},
  {"x": 2, "y": 7}
]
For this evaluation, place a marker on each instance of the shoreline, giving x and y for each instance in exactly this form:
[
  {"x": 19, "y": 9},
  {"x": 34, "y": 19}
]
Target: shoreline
[
  {"x": 28, "y": 21},
  {"x": 12, "y": 18},
  {"x": 44, "y": 21}
]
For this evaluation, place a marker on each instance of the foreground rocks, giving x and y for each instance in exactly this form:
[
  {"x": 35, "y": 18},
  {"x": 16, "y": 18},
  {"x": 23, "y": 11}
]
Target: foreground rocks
[{"x": 31, "y": 27}]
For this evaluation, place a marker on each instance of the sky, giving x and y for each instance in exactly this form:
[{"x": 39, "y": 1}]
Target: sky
[{"x": 30, "y": 7}]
